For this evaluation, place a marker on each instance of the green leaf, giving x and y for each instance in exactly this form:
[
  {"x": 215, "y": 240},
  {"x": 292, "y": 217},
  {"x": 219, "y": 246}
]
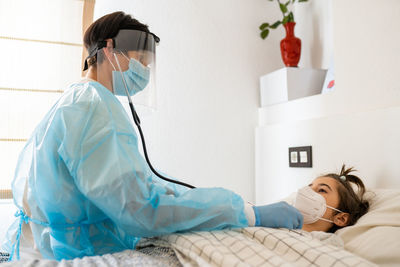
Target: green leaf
[
  {"x": 264, "y": 33},
  {"x": 275, "y": 25},
  {"x": 283, "y": 8},
  {"x": 287, "y": 3},
  {"x": 302, "y": 1},
  {"x": 285, "y": 19},
  {"x": 291, "y": 17},
  {"x": 264, "y": 25}
]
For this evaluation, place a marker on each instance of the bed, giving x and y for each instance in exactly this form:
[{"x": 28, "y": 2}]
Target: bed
[{"x": 373, "y": 241}]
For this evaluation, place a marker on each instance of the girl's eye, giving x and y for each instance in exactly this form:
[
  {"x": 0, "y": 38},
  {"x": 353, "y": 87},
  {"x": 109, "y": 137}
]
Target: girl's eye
[{"x": 322, "y": 190}]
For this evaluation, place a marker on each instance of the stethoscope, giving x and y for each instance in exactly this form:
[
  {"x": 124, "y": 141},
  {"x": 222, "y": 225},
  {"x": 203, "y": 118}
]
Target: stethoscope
[{"x": 137, "y": 122}]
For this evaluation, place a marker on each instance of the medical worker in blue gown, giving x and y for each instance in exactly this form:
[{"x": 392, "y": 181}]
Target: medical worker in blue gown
[{"x": 81, "y": 186}]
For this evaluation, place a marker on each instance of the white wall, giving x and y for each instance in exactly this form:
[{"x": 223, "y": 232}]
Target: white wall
[
  {"x": 208, "y": 65},
  {"x": 366, "y": 58},
  {"x": 314, "y": 26},
  {"x": 367, "y": 52},
  {"x": 7, "y": 211}
]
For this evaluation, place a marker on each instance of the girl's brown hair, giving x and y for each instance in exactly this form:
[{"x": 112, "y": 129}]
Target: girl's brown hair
[{"x": 350, "y": 201}]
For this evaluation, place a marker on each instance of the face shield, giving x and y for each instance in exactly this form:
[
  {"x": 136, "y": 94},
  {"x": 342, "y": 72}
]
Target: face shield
[{"x": 127, "y": 65}]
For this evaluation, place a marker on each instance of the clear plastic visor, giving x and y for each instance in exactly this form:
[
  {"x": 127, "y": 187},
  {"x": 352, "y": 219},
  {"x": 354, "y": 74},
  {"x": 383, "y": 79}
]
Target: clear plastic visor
[{"x": 127, "y": 66}]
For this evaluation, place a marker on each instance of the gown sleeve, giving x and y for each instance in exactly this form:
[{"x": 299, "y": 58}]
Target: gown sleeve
[{"x": 101, "y": 152}]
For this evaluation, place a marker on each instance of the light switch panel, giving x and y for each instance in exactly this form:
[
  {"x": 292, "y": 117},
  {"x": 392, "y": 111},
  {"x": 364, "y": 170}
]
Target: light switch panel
[
  {"x": 300, "y": 156},
  {"x": 293, "y": 157},
  {"x": 303, "y": 156}
]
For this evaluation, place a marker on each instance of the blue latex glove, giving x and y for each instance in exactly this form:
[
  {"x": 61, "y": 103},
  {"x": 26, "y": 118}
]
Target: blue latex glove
[{"x": 278, "y": 215}]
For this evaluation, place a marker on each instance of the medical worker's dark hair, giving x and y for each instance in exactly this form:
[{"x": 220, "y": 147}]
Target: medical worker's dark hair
[
  {"x": 108, "y": 27},
  {"x": 350, "y": 201}
]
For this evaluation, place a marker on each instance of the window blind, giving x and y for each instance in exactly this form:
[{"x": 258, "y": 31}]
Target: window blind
[{"x": 41, "y": 44}]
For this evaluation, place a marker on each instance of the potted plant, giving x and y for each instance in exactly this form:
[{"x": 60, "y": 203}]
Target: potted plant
[{"x": 290, "y": 45}]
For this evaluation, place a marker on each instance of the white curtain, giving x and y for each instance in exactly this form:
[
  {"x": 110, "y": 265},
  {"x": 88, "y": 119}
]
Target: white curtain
[{"x": 41, "y": 54}]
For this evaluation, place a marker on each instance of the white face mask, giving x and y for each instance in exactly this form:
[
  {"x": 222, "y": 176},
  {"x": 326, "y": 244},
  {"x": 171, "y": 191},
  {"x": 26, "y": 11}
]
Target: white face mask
[{"x": 311, "y": 205}]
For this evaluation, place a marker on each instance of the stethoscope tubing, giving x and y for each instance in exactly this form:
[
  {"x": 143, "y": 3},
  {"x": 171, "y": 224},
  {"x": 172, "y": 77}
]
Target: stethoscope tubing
[{"x": 137, "y": 122}]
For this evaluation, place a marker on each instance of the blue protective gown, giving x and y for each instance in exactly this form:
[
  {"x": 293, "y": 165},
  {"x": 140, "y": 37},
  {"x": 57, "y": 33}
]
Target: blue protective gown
[{"x": 89, "y": 190}]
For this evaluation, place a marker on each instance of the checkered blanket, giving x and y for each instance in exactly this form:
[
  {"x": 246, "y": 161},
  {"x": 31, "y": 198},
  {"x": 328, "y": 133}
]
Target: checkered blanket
[{"x": 258, "y": 247}]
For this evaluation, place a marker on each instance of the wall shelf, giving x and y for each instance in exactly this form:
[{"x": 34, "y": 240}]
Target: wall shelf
[
  {"x": 292, "y": 94},
  {"x": 287, "y": 84}
]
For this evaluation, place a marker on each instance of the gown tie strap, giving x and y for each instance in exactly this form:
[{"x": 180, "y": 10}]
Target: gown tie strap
[{"x": 26, "y": 219}]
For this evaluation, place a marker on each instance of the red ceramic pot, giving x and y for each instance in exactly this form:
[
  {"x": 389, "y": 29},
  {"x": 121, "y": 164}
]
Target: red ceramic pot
[{"x": 290, "y": 46}]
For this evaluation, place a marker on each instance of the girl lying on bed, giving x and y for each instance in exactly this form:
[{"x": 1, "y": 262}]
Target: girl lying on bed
[{"x": 331, "y": 202}]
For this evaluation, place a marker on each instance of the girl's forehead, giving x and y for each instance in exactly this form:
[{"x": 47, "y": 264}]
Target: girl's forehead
[{"x": 323, "y": 180}]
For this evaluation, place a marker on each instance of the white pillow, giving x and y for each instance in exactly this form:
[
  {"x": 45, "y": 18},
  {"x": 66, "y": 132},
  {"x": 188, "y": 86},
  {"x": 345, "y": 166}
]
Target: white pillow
[{"x": 376, "y": 235}]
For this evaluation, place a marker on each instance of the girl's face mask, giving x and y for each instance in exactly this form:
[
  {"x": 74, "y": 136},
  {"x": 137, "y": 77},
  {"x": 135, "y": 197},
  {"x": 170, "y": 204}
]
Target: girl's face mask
[{"x": 311, "y": 205}]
